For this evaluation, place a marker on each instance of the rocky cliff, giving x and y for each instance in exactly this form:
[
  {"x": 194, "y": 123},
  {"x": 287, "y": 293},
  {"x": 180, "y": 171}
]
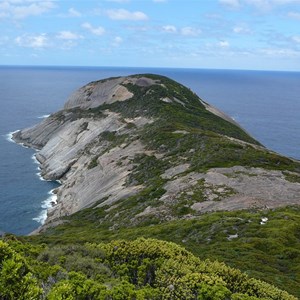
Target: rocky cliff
[{"x": 145, "y": 148}]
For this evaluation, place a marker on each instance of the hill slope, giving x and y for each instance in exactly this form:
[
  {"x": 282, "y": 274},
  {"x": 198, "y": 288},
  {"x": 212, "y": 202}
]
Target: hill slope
[
  {"x": 149, "y": 141},
  {"x": 144, "y": 156}
]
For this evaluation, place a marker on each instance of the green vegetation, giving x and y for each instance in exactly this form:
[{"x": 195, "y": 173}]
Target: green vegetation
[
  {"x": 140, "y": 269},
  {"x": 269, "y": 252},
  {"x": 185, "y": 112},
  {"x": 292, "y": 177},
  {"x": 118, "y": 252},
  {"x": 93, "y": 163},
  {"x": 204, "y": 130},
  {"x": 182, "y": 132}
]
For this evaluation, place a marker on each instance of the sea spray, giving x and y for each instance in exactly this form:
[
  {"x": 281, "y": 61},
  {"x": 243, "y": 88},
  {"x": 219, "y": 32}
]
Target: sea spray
[
  {"x": 43, "y": 116},
  {"x": 9, "y": 136},
  {"x": 38, "y": 168},
  {"x": 48, "y": 203}
]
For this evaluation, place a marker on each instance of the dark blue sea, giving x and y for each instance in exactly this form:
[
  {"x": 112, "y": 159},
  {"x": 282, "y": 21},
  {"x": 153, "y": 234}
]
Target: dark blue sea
[{"x": 266, "y": 104}]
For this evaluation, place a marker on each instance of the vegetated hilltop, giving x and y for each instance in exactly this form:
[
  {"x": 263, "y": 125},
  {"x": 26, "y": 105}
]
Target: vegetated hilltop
[{"x": 144, "y": 156}]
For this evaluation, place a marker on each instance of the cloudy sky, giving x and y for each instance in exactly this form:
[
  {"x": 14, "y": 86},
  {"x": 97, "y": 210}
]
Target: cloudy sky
[{"x": 222, "y": 34}]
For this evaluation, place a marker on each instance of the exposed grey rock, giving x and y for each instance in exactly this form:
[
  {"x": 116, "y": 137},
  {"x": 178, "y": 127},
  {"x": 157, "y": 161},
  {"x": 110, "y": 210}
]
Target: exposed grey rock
[
  {"x": 106, "y": 91},
  {"x": 61, "y": 152},
  {"x": 175, "y": 171},
  {"x": 251, "y": 188},
  {"x": 219, "y": 113},
  {"x": 38, "y": 135},
  {"x": 64, "y": 158}
]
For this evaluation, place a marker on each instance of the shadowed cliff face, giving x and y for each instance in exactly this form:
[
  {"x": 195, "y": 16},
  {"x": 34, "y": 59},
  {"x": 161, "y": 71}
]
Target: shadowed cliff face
[{"x": 145, "y": 147}]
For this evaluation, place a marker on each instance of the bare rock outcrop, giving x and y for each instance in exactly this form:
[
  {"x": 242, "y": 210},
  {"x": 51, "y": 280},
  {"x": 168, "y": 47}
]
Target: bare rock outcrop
[
  {"x": 97, "y": 93},
  {"x": 70, "y": 143}
]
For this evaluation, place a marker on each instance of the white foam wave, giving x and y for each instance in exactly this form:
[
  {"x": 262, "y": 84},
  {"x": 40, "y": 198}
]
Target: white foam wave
[
  {"x": 43, "y": 116},
  {"x": 10, "y": 135},
  {"x": 46, "y": 204},
  {"x": 10, "y": 139},
  {"x": 33, "y": 157},
  {"x": 38, "y": 168}
]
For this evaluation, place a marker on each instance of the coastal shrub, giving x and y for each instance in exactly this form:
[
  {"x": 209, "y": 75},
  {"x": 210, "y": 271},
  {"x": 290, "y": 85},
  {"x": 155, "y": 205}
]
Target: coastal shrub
[
  {"x": 77, "y": 258},
  {"x": 176, "y": 273},
  {"x": 138, "y": 269},
  {"x": 206, "y": 236},
  {"x": 77, "y": 287},
  {"x": 16, "y": 278}
]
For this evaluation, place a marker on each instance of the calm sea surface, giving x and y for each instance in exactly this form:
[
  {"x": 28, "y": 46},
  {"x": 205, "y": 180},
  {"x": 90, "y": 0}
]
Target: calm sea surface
[{"x": 266, "y": 104}]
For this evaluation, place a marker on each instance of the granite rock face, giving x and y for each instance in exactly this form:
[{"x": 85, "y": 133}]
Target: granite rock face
[
  {"x": 96, "y": 145},
  {"x": 68, "y": 142},
  {"x": 108, "y": 91}
]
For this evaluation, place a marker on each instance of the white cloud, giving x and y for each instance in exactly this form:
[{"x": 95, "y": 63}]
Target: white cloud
[
  {"x": 238, "y": 29},
  {"x": 262, "y": 5},
  {"x": 294, "y": 15},
  {"x": 118, "y": 1},
  {"x": 296, "y": 39},
  {"x": 266, "y": 5},
  {"x": 68, "y": 35},
  {"x": 71, "y": 13},
  {"x": 3, "y": 15},
  {"x": 223, "y": 44},
  {"x": 230, "y": 3},
  {"x": 190, "y": 31},
  {"x": 123, "y": 14},
  {"x": 95, "y": 30},
  {"x": 74, "y": 13},
  {"x": 281, "y": 52},
  {"x": 22, "y": 9},
  {"x": 241, "y": 29},
  {"x": 32, "y": 41},
  {"x": 185, "y": 31},
  {"x": 117, "y": 41},
  {"x": 169, "y": 28}
]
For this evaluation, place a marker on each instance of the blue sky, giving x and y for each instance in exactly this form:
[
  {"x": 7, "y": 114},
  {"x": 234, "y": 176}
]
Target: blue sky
[{"x": 222, "y": 34}]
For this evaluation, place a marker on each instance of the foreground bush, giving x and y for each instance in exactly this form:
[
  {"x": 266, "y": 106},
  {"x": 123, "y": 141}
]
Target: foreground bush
[{"x": 140, "y": 269}]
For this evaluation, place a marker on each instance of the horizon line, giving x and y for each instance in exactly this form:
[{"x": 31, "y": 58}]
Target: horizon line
[{"x": 147, "y": 67}]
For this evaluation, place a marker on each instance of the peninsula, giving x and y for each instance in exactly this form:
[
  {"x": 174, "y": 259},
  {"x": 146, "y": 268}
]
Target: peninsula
[
  {"x": 143, "y": 157},
  {"x": 117, "y": 138}
]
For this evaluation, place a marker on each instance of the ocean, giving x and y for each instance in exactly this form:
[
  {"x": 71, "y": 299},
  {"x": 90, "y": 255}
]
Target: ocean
[{"x": 266, "y": 104}]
